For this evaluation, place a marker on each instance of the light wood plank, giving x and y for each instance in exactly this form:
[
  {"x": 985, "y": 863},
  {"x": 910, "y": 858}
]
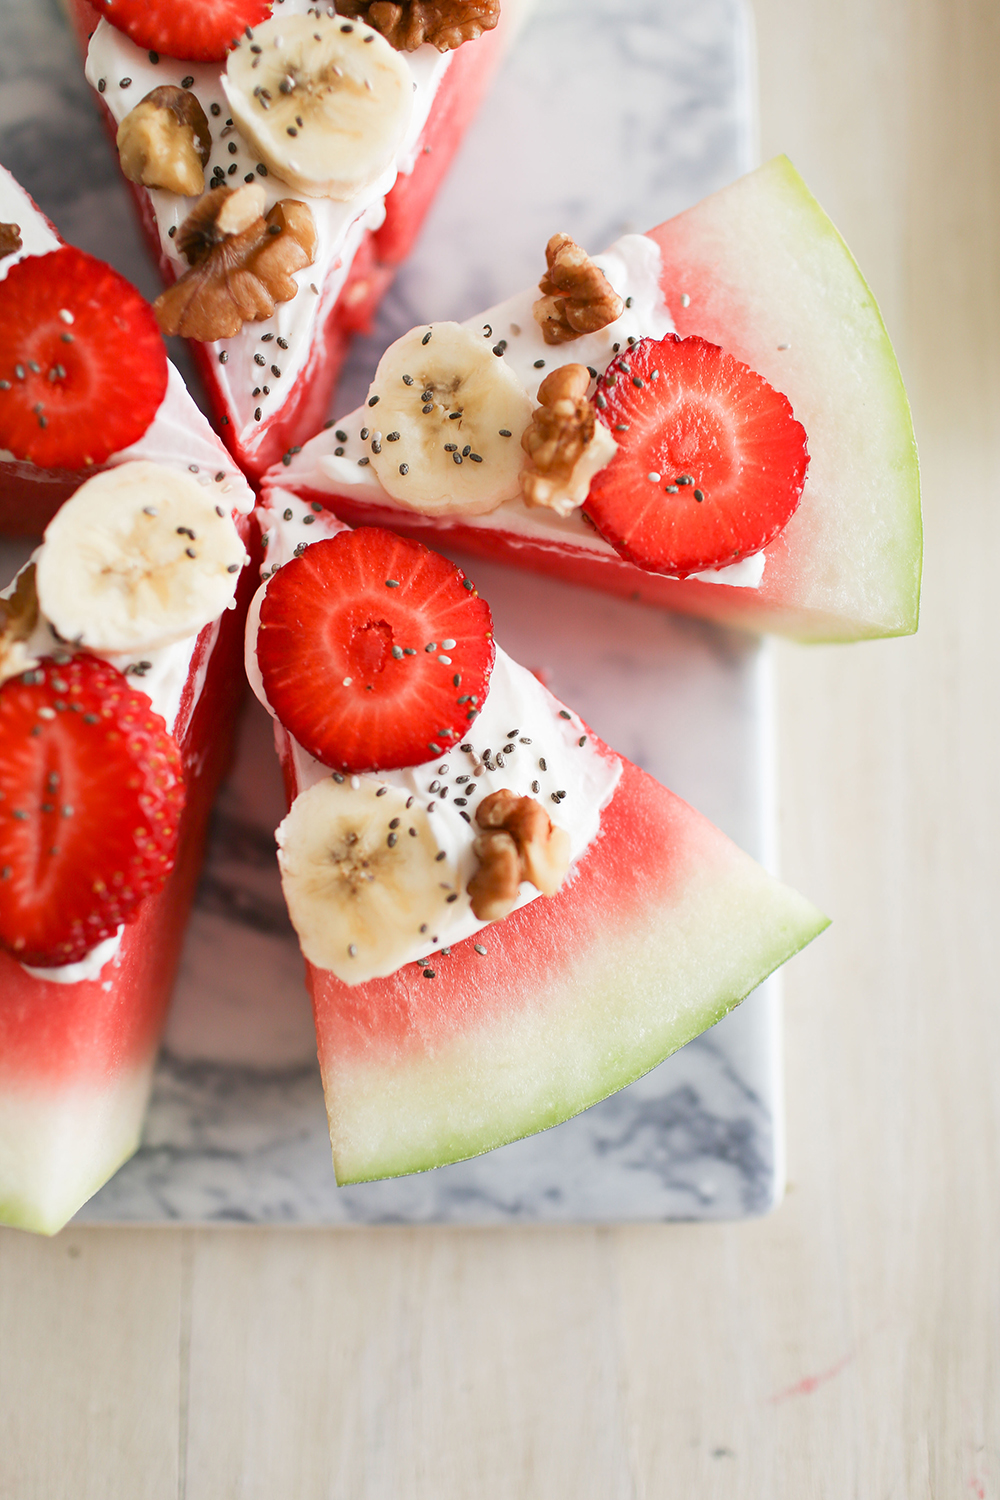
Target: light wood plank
[{"x": 90, "y": 1364}]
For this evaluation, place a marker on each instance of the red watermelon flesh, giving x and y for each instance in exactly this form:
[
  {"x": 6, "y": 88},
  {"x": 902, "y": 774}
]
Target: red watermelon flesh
[
  {"x": 664, "y": 926},
  {"x": 760, "y": 270}
]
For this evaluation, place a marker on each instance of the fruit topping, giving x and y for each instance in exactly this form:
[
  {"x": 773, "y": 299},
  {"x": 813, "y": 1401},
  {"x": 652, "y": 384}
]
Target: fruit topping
[
  {"x": 83, "y": 369},
  {"x": 323, "y": 101},
  {"x": 577, "y": 297},
  {"x": 242, "y": 263},
  {"x": 519, "y": 842},
  {"x": 165, "y": 142},
  {"x": 407, "y": 24},
  {"x": 91, "y": 791},
  {"x": 564, "y": 443},
  {"x": 363, "y": 876},
  {"x": 195, "y": 30},
  {"x": 710, "y": 463},
  {"x": 374, "y": 651},
  {"x": 10, "y": 239},
  {"x": 139, "y": 556},
  {"x": 446, "y": 416}
]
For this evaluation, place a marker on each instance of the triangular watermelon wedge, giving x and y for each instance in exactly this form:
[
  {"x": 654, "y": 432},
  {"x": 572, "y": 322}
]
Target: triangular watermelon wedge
[
  {"x": 77, "y": 1047},
  {"x": 665, "y": 926},
  {"x": 760, "y": 270}
]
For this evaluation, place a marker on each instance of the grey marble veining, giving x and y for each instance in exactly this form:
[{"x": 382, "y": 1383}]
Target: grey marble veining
[{"x": 604, "y": 118}]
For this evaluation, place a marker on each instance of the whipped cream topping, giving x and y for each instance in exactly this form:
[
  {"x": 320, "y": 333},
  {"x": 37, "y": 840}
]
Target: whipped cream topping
[
  {"x": 88, "y": 967},
  {"x": 523, "y": 739},
  {"x": 331, "y": 462},
  {"x": 123, "y": 74}
]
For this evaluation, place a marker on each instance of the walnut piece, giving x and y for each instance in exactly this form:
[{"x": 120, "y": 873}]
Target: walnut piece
[
  {"x": 241, "y": 263},
  {"x": 18, "y": 618},
  {"x": 165, "y": 142},
  {"x": 407, "y": 24},
  {"x": 577, "y": 297},
  {"x": 564, "y": 442},
  {"x": 519, "y": 842},
  {"x": 10, "y": 239}
]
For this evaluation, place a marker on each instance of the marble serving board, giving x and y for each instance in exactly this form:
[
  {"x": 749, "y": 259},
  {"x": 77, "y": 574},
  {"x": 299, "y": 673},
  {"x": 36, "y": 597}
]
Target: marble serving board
[{"x": 602, "y": 120}]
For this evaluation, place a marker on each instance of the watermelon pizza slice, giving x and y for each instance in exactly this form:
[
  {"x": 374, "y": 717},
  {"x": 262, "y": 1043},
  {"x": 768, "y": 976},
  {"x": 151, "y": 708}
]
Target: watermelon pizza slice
[
  {"x": 120, "y": 679},
  {"x": 503, "y": 920},
  {"x": 282, "y": 157},
  {"x": 708, "y": 417}
]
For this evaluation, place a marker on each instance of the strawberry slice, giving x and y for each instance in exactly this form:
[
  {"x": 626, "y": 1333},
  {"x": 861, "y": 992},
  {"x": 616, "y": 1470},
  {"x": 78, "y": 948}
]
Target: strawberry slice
[
  {"x": 710, "y": 463},
  {"x": 91, "y": 791},
  {"x": 195, "y": 30},
  {"x": 375, "y": 652},
  {"x": 83, "y": 369}
]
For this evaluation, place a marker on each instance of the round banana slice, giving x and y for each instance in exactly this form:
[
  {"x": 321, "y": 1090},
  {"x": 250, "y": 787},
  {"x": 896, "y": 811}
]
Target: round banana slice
[
  {"x": 362, "y": 877},
  {"x": 140, "y": 556},
  {"x": 323, "y": 100},
  {"x": 446, "y": 416}
]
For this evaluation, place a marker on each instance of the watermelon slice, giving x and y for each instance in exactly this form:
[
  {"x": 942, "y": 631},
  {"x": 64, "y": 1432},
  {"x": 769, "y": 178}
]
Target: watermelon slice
[
  {"x": 331, "y": 305},
  {"x": 662, "y": 927},
  {"x": 76, "y": 1059},
  {"x": 759, "y": 270},
  {"x": 76, "y": 1056}
]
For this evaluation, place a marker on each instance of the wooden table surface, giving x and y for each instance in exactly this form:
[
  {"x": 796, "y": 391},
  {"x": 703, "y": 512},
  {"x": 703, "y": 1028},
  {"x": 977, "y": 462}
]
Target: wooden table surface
[{"x": 848, "y": 1345}]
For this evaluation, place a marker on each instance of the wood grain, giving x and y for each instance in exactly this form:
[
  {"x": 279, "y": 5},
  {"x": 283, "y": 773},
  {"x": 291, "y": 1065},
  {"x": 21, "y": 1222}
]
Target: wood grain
[{"x": 846, "y": 1346}]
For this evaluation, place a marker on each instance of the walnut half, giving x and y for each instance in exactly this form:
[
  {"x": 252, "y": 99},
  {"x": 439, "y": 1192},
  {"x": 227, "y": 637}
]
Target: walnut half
[
  {"x": 241, "y": 263},
  {"x": 407, "y": 24},
  {"x": 564, "y": 442},
  {"x": 10, "y": 239},
  {"x": 577, "y": 297},
  {"x": 165, "y": 142},
  {"x": 519, "y": 842},
  {"x": 18, "y": 618}
]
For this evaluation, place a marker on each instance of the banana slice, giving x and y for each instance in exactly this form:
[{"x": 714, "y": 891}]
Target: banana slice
[
  {"x": 323, "y": 100},
  {"x": 138, "y": 557},
  {"x": 362, "y": 877},
  {"x": 449, "y": 415}
]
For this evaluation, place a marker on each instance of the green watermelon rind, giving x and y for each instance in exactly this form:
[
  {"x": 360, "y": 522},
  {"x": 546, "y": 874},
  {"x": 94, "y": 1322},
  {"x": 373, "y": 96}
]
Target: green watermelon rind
[
  {"x": 848, "y": 565},
  {"x": 733, "y": 925}
]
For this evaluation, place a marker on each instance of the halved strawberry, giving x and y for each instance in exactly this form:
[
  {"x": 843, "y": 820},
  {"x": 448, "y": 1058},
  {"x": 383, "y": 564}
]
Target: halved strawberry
[
  {"x": 91, "y": 791},
  {"x": 710, "y": 463},
  {"x": 83, "y": 368},
  {"x": 375, "y": 652},
  {"x": 195, "y": 30}
]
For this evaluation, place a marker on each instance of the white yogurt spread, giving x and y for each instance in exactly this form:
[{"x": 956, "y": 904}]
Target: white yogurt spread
[
  {"x": 248, "y": 387},
  {"x": 331, "y": 462},
  {"x": 523, "y": 739}
]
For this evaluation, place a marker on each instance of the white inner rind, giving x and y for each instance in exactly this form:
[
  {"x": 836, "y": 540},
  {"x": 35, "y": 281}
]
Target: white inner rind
[{"x": 61, "y": 1140}]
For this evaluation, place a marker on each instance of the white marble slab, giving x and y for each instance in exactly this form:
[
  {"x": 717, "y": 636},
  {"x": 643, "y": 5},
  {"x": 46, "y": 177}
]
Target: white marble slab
[{"x": 602, "y": 120}]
